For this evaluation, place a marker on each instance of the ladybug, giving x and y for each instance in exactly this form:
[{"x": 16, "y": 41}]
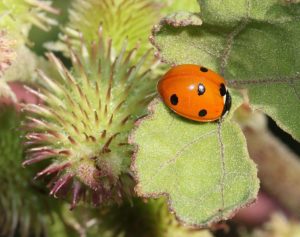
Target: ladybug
[{"x": 195, "y": 92}]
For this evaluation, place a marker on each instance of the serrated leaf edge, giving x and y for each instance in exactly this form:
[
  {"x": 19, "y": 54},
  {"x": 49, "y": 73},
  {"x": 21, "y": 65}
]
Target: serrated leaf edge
[
  {"x": 168, "y": 21},
  {"x": 166, "y": 195}
]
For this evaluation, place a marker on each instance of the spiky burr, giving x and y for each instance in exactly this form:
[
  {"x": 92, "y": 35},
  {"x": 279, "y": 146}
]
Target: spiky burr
[
  {"x": 18, "y": 16},
  {"x": 83, "y": 124},
  {"x": 119, "y": 18}
]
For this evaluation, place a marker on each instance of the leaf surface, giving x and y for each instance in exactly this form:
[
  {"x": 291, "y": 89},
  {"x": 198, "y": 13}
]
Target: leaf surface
[
  {"x": 203, "y": 168},
  {"x": 253, "y": 44}
]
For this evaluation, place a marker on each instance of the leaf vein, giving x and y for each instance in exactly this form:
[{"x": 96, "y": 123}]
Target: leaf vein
[
  {"x": 185, "y": 147},
  {"x": 236, "y": 83},
  {"x": 230, "y": 39},
  {"x": 292, "y": 84},
  {"x": 177, "y": 155},
  {"x": 223, "y": 171}
]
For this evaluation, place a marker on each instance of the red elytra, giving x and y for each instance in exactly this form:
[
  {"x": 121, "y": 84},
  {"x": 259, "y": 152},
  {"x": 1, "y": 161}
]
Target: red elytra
[{"x": 195, "y": 92}]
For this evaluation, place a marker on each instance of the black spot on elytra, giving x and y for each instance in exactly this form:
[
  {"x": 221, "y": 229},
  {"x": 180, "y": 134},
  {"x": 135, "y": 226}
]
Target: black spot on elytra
[
  {"x": 203, "y": 69},
  {"x": 201, "y": 89},
  {"x": 174, "y": 99},
  {"x": 202, "y": 112},
  {"x": 222, "y": 89}
]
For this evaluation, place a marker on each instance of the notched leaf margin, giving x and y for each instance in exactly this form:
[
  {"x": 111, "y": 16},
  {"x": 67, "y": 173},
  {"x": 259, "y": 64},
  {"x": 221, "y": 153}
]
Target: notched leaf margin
[
  {"x": 213, "y": 222},
  {"x": 172, "y": 20},
  {"x": 233, "y": 84}
]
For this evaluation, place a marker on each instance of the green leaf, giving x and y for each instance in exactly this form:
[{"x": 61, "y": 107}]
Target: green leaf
[
  {"x": 254, "y": 44},
  {"x": 203, "y": 168}
]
